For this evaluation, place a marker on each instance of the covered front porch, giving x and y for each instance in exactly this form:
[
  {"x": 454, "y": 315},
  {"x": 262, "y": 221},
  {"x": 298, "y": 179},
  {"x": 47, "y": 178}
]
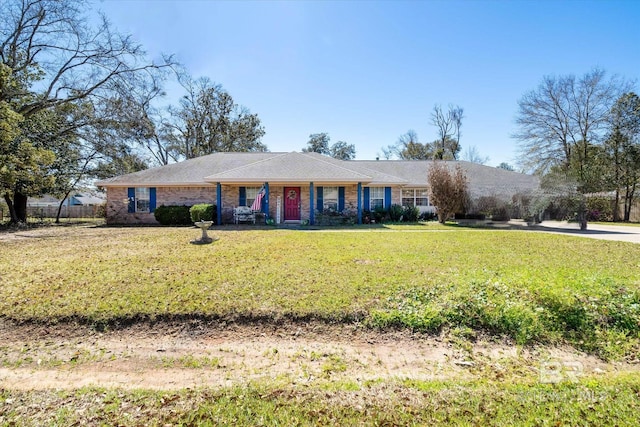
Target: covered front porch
[
  {"x": 290, "y": 187},
  {"x": 289, "y": 203},
  {"x": 294, "y": 187}
]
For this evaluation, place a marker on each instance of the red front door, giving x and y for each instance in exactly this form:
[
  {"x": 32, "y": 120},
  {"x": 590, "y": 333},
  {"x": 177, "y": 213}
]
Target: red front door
[{"x": 291, "y": 203}]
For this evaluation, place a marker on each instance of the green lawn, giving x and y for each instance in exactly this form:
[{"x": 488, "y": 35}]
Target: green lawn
[
  {"x": 530, "y": 287},
  {"x": 533, "y": 287},
  {"x": 611, "y": 402}
]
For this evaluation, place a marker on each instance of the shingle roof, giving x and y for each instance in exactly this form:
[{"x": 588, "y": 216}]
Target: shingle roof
[
  {"x": 297, "y": 167},
  {"x": 378, "y": 177},
  {"x": 289, "y": 168},
  {"x": 188, "y": 172},
  {"x": 483, "y": 180}
]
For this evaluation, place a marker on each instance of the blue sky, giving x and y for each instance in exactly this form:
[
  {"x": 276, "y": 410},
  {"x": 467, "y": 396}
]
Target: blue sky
[{"x": 366, "y": 72}]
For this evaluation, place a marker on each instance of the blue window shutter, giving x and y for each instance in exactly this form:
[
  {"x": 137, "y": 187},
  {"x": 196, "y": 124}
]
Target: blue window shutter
[
  {"x": 243, "y": 197},
  {"x": 340, "y": 199},
  {"x": 367, "y": 202},
  {"x": 152, "y": 199},
  {"x": 387, "y": 197},
  {"x": 265, "y": 200},
  {"x": 131, "y": 194},
  {"x": 320, "y": 204}
]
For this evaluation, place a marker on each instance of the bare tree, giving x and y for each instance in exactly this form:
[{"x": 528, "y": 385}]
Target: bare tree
[
  {"x": 448, "y": 124},
  {"x": 563, "y": 118},
  {"x": 472, "y": 155},
  {"x": 448, "y": 190},
  {"x": 142, "y": 124}
]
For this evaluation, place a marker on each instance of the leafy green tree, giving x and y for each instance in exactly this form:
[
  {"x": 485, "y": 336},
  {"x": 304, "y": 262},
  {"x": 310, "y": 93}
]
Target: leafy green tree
[
  {"x": 209, "y": 121},
  {"x": 408, "y": 147},
  {"x": 318, "y": 143},
  {"x": 23, "y": 164},
  {"x": 506, "y": 166},
  {"x": 622, "y": 149},
  {"x": 343, "y": 151},
  {"x": 55, "y": 59},
  {"x": 415, "y": 151}
]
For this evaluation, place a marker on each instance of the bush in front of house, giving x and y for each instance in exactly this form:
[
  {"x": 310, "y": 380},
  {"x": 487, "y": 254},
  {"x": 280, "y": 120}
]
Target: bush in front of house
[
  {"x": 428, "y": 216},
  {"x": 410, "y": 214},
  {"x": 348, "y": 216},
  {"x": 599, "y": 208},
  {"x": 395, "y": 213},
  {"x": 172, "y": 215},
  {"x": 379, "y": 214},
  {"x": 203, "y": 212}
]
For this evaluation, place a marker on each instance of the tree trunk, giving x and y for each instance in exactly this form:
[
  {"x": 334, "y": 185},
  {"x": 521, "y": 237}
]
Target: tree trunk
[
  {"x": 66, "y": 196},
  {"x": 12, "y": 211},
  {"x": 628, "y": 203},
  {"x": 20, "y": 207},
  {"x": 616, "y": 207}
]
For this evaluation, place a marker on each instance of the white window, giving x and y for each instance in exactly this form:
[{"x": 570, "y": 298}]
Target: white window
[
  {"x": 330, "y": 198},
  {"x": 251, "y": 193},
  {"x": 376, "y": 197},
  {"x": 414, "y": 197},
  {"x": 142, "y": 199}
]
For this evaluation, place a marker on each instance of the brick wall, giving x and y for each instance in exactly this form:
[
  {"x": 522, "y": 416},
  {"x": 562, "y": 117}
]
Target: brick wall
[{"x": 118, "y": 202}]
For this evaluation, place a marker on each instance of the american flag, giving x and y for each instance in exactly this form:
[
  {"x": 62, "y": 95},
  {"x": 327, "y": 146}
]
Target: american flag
[{"x": 257, "y": 203}]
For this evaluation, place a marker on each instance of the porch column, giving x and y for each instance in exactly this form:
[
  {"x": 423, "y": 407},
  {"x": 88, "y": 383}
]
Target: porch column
[
  {"x": 219, "y": 203},
  {"x": 359, "y": 203},
  {"x": 311, "y": 210},
  {"x": 266, "y": 200}
]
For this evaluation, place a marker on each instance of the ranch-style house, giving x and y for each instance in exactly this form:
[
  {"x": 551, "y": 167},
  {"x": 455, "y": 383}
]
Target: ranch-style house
[{"x": 292, "y": 187}]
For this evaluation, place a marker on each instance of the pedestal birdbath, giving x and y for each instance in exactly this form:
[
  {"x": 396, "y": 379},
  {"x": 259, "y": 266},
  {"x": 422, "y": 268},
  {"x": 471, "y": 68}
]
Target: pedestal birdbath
[{"x": 204, "y": 239}]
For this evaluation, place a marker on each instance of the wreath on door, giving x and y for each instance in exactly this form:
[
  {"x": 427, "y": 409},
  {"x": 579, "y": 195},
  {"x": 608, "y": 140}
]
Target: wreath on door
[{"x": 292, "y": 195}]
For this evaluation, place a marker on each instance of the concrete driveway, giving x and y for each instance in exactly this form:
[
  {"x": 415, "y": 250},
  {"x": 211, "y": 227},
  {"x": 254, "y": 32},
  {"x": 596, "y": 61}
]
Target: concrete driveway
[{"x": 620, "y": 233}]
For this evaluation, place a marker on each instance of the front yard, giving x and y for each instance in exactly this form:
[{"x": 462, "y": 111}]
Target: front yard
[{"x": 457, "y": 287}]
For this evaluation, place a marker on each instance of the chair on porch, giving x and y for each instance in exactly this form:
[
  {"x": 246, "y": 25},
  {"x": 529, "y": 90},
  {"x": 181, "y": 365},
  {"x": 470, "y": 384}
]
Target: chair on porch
[{"x": 243, "y": 214}]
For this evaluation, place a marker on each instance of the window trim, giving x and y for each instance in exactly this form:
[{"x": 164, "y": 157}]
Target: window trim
[
  {"x": 250, "y": 194},
  {"x": 331, "y": 199},
  {"x": 135, "y": 195},
  {"x": 373, "y": 192},
  {"x": 415, "y": 197},
  {"x": 143, "y": 194}
]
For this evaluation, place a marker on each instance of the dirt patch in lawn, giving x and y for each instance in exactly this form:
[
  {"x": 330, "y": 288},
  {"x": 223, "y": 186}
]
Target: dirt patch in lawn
[{"x": 199, "y": 354}]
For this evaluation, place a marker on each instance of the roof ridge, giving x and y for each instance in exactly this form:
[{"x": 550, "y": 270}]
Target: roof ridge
[
  {"x": 322, "y": 159},
  {"x": 384, "y": 173},
  {"x": 276, "y": 155}
]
